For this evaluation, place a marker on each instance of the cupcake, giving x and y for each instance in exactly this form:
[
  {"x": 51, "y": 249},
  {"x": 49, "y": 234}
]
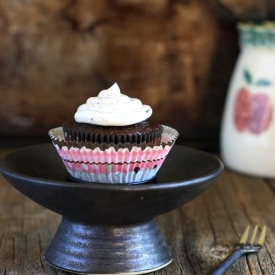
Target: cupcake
[{"x": 112, "y": 140}]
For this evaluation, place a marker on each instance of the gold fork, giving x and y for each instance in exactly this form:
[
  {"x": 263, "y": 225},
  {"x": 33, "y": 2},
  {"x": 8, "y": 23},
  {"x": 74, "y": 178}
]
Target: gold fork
[{"x": 244, "y": 247}]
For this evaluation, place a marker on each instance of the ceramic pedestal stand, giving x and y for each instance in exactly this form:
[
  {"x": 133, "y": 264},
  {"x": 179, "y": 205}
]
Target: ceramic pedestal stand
[{"x": 109, "y": 228}]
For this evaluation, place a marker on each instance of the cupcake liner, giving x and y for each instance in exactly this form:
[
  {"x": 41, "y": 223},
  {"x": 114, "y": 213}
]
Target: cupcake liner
[
  {"x": 113, "y": 163},
  {"x": 109, "y": 155},
  {"x": 168, "y": 137},
  {"x": 115, "y": 178},
  {"x": 105, "y": 168}
]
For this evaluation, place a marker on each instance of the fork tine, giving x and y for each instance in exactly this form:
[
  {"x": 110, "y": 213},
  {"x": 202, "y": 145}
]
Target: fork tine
[
  {"x": 252, "y": 240},
  {"x": 245, "y": 235},
  {"x": 262, "y": 236},
  {"x": 242, "y": 249}
]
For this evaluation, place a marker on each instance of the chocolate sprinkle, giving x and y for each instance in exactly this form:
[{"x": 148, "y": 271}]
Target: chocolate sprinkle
[{"x": 136, "y": 169}]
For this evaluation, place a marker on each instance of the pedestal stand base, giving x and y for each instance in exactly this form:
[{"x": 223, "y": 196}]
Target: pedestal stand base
[{"x": 108, "y": 249}]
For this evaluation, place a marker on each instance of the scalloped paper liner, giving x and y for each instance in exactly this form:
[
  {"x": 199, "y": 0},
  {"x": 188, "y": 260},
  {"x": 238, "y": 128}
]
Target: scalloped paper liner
[
  {"x": 114, "y": 173},
  {"x": 84, "y": 160},
  {"x": 116, "y": 178},
  {"x": 168, "y": 137}
]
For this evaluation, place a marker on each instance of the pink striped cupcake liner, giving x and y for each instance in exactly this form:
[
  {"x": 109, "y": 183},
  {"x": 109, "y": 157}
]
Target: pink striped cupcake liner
[{"x": 113, "y": 163}]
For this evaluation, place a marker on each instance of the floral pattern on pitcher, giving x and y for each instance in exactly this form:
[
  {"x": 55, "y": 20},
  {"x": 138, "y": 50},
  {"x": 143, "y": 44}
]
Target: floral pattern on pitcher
[{"x": 253, "y": 112}]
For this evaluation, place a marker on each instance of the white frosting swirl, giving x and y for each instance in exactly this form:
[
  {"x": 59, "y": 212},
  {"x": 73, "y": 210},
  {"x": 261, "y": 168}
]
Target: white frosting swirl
[{"x": 111, "y": 108}]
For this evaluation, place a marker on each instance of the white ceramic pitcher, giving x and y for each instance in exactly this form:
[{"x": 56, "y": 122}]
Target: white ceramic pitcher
[{"x": 248, "y": 124}]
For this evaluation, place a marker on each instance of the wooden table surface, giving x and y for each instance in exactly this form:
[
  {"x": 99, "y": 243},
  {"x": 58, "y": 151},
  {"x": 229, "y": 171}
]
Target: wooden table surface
[{"x": 201, "y": 233}]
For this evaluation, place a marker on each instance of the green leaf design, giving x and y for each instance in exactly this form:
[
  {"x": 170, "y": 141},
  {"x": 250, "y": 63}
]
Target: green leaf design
[
  {"x": 263, "y": 83},
  {"x": 247, "y": 76}
]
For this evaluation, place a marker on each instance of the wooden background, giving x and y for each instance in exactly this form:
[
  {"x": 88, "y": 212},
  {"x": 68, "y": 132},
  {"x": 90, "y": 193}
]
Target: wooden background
[{"x": 175, "y": 55}]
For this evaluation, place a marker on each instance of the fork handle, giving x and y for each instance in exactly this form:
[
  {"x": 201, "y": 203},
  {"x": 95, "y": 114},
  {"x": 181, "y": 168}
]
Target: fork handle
[{"x": 230, "y": 260}]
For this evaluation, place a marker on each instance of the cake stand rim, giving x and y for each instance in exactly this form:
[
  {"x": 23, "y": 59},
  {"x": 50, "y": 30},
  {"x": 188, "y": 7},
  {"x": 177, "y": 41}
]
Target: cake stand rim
[{"x": 214, "y": 173}]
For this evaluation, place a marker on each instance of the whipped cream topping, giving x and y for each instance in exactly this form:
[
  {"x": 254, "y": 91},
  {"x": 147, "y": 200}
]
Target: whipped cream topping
[{"x": 111, "y": 108}]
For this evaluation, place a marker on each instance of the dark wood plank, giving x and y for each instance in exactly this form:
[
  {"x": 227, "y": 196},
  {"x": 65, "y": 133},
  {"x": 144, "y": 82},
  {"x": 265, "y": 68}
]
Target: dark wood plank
[
  {"x": 238, "y": 10},
  {"x": 166, "y": 52}
]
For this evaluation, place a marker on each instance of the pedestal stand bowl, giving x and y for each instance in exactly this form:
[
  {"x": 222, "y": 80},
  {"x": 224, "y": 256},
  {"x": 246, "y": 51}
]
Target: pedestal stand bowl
[{"x": 109, "y": 228}]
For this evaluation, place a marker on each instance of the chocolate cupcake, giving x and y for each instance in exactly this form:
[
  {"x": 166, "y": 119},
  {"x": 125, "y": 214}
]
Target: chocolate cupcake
[
  {"x": 142, "y": 132},
  {"x": 112, "y": 140}
]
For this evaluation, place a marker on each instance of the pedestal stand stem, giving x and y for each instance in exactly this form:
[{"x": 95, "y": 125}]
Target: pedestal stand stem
[{"x": 108, "y": 249}]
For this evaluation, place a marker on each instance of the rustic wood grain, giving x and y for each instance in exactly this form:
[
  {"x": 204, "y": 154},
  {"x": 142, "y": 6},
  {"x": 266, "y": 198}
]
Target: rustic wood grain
[
  {"x": 55, "y": 54},
  {"x": 201, "y": 234},
  {"x": 255, "y": 10}
]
